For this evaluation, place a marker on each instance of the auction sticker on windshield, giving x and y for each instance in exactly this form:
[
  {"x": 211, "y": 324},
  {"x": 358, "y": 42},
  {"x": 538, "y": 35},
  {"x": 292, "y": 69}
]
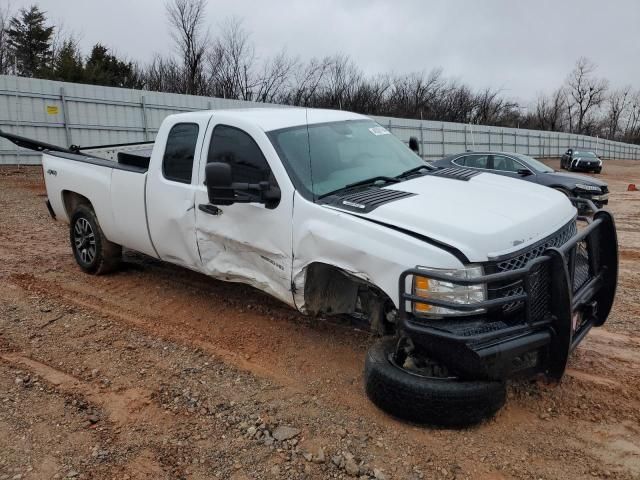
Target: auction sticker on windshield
[{"x": 379, "y": 131}]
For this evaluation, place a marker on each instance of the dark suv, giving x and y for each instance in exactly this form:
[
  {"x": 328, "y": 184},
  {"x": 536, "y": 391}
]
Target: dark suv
[
  {"x": 583, "y": 160},
  {"x": 527, "y": 168}
]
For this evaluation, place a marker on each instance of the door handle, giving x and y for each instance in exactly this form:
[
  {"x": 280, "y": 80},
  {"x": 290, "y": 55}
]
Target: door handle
[{"x": 210, "y": 209}]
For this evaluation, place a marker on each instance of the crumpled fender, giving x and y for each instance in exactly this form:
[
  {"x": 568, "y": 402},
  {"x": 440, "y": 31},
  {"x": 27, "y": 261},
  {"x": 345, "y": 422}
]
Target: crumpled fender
[{"x": 369, "y": 251}]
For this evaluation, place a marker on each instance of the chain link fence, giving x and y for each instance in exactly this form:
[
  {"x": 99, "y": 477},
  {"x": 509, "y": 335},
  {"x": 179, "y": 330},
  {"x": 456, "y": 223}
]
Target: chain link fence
[{"x": 67, "y": 113}]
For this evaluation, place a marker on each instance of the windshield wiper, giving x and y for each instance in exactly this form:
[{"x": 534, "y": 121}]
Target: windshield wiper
[
  {"x": 412, "y": 170},
  {"x": 367, "y": 181}
]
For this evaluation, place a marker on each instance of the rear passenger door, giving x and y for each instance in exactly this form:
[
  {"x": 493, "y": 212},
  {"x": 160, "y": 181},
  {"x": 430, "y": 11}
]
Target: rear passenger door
[{"x": 170, "y": 191}]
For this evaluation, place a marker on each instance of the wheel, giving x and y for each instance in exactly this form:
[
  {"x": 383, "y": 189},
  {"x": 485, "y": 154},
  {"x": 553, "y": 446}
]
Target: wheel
[
  {"x": 446, "y": 402},
  {"x": 562, "y": 166},
  {"x": 91, "y": 249}
]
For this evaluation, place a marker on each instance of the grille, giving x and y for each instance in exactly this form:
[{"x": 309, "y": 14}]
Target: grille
[
  {"x": 539, "y": 296},
  {"x": 519, "y": 260}
]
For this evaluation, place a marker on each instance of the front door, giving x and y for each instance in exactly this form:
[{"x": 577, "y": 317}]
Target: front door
[
  {"x": 246, "y": 242},
  {"x": 507, "y": 166}
]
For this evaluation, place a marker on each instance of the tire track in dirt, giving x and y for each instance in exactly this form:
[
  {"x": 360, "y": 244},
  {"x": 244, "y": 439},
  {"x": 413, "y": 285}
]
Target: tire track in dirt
[{"x": 296, "y": 354}]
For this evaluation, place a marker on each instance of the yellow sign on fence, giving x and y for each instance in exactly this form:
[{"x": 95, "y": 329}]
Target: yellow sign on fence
[{"x": 52, "y": 110}]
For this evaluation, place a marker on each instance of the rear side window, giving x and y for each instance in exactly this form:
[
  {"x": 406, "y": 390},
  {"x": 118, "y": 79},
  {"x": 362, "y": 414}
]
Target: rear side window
[
  {"x": 177, "y": 163},
  {"x": 237, "y": 148},
  {"x": 474, "y": 161}
]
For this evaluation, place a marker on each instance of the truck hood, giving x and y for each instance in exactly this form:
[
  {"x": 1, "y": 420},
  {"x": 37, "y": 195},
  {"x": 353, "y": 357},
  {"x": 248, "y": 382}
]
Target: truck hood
[{"x": 485, "y": 216}]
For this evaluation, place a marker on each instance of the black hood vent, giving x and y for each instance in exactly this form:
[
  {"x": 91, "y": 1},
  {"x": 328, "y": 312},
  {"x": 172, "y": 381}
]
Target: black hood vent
[
  {"x": 367, "y": 200},
  {"x": 455, "y": 173}
]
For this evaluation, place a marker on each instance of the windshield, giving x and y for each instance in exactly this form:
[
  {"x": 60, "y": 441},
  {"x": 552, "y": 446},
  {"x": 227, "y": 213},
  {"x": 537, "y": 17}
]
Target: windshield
[
  {"x": 327, "y": 157},
  {"x": 584, "y": 154},
  {"x": 537, "y": 165}
]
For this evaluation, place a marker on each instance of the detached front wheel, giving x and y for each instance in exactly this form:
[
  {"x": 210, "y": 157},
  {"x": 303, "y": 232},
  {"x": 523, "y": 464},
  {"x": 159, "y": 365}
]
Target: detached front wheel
[
  {"x": 91, "y": 249},
  {"x": 433, "y": 400}
]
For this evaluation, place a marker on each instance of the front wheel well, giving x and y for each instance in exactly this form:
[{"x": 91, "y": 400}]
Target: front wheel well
[{"x": 331, "y": 290}]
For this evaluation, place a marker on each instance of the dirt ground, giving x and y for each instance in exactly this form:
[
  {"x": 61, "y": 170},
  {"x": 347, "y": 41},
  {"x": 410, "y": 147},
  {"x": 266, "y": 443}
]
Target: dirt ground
[{"x": 158, "y": 372}]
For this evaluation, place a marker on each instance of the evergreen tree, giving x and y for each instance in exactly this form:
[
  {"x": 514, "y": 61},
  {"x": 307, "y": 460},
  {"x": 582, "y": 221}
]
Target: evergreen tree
[
  {"x": 29, "y": 40},
  {"x": 68, "y": 65},
  {"x": 103, "y": 68}
]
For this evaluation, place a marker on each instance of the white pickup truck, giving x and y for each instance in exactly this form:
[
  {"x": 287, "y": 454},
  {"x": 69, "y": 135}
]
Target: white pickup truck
[{"x": 471, "y": 278}]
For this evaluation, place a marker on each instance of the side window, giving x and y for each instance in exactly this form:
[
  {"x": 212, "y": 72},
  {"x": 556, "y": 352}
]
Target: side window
[
  {"x": 235, "y": 147},
  {"x": 177, "y": 163},
  {"x": 476, "y": 161},
  {"x": 506, "y": 164},
  {"x": 460, "y": 161}
]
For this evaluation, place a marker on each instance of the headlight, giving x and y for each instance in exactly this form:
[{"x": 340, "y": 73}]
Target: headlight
[
  {"x": 428, "y": 288},
  {"x": 591, "y": 188}
]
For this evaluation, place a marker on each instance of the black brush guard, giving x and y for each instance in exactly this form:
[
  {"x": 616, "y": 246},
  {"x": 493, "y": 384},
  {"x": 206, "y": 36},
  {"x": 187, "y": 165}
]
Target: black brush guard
[{"x": 538, "y": 343}]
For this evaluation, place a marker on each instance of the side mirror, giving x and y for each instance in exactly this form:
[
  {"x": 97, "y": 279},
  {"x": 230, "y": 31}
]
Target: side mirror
[
  {"x": 524, "y": 172},
  {"x": 222, "y": 190},
  {"x": 414, "y": 145},
  {"x": 219, "y": 184}
]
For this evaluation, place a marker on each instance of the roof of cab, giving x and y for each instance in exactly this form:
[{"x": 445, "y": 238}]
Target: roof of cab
[{"x": 276, "y": 118}]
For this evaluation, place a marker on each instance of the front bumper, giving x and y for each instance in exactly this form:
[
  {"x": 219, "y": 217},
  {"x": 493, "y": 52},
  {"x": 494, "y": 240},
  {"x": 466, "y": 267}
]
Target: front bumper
[
  {"x": 586, "y": 166},
  {"x": 560, "y": 295}
]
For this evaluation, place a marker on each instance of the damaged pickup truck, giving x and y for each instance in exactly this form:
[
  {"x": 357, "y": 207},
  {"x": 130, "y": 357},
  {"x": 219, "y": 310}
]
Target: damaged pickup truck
[{"x": 470, "y": 278}]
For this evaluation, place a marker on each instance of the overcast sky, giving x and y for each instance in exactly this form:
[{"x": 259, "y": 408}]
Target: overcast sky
[{"x": 522, "y": 47}]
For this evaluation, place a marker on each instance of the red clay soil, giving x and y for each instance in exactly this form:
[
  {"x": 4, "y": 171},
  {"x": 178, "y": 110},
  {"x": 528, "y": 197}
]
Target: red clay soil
[{"x": 159, "y": 372}]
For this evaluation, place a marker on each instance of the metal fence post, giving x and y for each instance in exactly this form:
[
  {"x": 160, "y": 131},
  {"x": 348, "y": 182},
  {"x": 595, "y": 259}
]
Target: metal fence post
[
  {"x": 17, "y": 123},
  {"x": 528, "y": 143},
  {"x": 65, "y": 116},
  {"x": 466, "y": 145},
  {"x": 145, "y": 121},
  {"x": 489, "y": 137},
  {"x": 502, "y": 138},
  {"x": 421, "y": 140},
  {"x": 444, "y": 153}
]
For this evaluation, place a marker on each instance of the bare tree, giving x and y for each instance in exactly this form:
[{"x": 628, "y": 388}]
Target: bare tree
[
  {"x": 549, "y": 111},
  {"x": 164, "y": 75},
  {"x": 491, "y": 107},
  {"x": 273, "y": 81},
  {"x": 187, "y": 18},
  {"x": 631, "y": 131},
  {"x": 585, "y": 92},
  {"x": 414, "y": 94},
  {"x": 617, "y": 104},
  {"x": 6, "y": 65},
  {"x": 232, "y": 62},
  {"x": 306, "y": 80}
]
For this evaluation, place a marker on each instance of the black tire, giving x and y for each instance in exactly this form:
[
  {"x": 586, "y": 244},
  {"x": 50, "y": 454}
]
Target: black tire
[
  {"x": 424, "y": 400},
  {"x": 91, "y": 249}
]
